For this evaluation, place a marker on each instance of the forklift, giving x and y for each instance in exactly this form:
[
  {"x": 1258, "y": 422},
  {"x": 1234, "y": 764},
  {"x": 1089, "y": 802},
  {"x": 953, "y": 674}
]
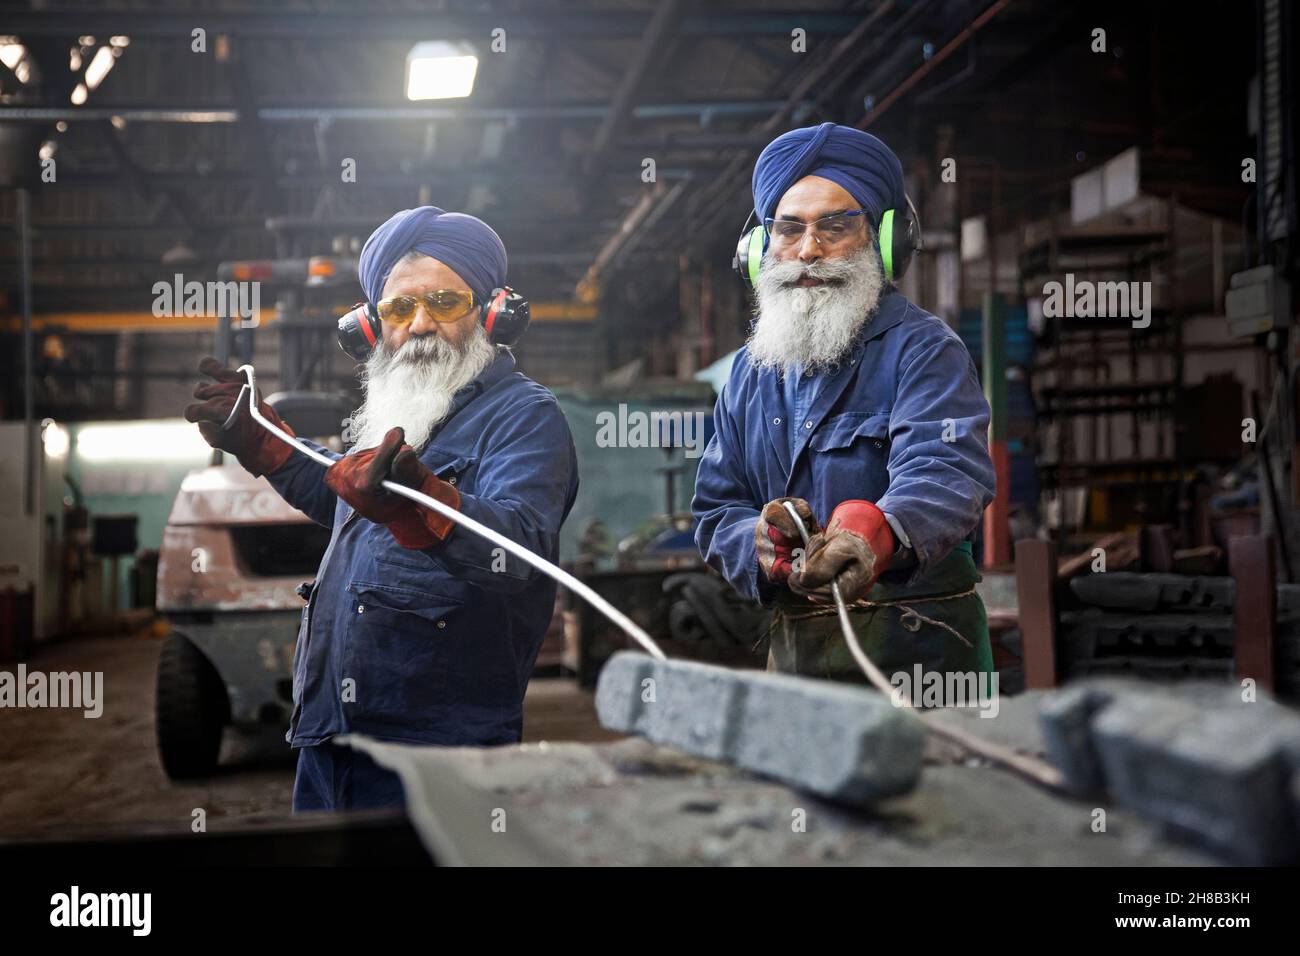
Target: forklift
[{"x": 235, "y": 556}]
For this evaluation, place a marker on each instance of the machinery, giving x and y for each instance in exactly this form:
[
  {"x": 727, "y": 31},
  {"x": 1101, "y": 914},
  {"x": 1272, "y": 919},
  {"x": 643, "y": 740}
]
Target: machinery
[{"x": 233, "y": 557}]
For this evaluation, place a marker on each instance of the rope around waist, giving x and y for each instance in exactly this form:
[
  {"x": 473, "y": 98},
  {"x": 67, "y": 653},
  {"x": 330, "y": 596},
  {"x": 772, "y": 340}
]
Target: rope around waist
[{"x": 911, "y": 619}]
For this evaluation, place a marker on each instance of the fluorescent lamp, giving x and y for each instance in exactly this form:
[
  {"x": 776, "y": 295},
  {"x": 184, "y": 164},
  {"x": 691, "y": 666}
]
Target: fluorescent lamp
[
  {"x": 79, "y": 94},
  {"x": 134, "y": 441},
  {"x": 439, "y": 70},
  {"x": 99, "y": 67}
]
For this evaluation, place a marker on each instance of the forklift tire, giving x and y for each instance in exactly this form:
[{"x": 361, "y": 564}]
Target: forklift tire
[{"x": 191, "y": 710}]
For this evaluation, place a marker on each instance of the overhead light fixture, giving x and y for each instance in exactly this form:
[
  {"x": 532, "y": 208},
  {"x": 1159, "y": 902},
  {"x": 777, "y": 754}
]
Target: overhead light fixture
[
  {"x": 440, "y": 70},
  {"x": 79, "y": 94},
  {"x": 99, "y": 67},
  {"x": 11, "y": 51}
]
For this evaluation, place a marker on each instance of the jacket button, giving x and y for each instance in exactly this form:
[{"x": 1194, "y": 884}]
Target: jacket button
[
  {"x": 442, "y": 623},
  {"x": 361, "y": 609},
  {"x": 776, "y": 421},
  {"x": 807, "y": 424},
  {"x": 451, "y": 480},
  {"x": 879, "y": 443}
]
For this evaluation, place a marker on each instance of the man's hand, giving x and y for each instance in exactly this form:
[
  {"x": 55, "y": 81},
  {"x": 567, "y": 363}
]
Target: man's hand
[
  {"x": 854, "y": 550},
  {"x": 776, "y": 537},
  {"x": 258, "y": 450},
  {"x": 357, "y": 479}
]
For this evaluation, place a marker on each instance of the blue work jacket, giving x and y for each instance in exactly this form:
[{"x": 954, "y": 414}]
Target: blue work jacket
[
  {"x": 901, "y": 422},
  {"x": 437, "y": 645}
]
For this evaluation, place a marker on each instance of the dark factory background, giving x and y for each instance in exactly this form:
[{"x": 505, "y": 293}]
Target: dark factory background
[{"x": 144, "y": 145}]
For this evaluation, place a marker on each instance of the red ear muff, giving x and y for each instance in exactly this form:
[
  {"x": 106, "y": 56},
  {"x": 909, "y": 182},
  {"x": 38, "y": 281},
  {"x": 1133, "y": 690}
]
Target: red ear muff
[
  {"x": 505, "y": 317},
  {"x": 359, "y": 331}
]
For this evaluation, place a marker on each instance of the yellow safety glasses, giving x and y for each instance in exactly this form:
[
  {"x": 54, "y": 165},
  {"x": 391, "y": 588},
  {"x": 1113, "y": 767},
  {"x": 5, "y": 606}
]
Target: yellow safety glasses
[{"x": 443, "y": 305}]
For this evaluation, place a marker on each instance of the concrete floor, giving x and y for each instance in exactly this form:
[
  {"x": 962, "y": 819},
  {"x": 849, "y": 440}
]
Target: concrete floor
[{"x": 66, "y": 775}]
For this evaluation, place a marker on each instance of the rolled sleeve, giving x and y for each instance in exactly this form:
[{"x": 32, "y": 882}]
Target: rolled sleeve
[{"x": 301, "y": 482}]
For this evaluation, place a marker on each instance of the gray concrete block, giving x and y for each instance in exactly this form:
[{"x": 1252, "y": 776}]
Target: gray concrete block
[
  {"x": 1066, "y": 719},
  {"x": 1216, "y": 773},
  {"x": 618, "y": 698},
  {"x": 841, "y": 742},
  {"x": 695, "y": 708},
  {"x": 1194, "y": 757}
]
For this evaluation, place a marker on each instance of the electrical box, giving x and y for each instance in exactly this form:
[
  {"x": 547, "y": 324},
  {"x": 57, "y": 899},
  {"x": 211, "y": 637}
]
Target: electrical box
[{"x": 1258, "y": 300}]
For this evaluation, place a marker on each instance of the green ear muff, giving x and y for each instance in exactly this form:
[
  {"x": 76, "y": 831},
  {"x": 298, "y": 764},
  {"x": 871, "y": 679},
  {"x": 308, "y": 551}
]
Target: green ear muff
[
  {"x": 886, "y": 242},
  {"x": 749, "y": 255},
  {"x": 754, "y": 259}
]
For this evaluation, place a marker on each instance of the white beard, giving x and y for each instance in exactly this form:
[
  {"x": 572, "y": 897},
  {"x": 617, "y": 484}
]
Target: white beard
[
  {"x": 813, "y": 327},
  {"x": 413, "y": 386}
]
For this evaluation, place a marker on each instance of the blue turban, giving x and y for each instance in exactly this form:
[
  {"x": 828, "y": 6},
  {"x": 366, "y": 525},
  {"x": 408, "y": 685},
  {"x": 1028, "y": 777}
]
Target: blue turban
[
  {"x": 866, "y": 168},
  {"x": 467, "y": 245}
]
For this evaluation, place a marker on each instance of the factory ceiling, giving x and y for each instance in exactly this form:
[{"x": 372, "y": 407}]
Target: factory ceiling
[{"x": 604, "y": 140}]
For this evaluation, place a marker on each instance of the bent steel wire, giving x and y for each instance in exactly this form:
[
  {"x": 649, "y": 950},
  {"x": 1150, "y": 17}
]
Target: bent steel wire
[
  {"x": 465, "y": 521},
  {"x": 1034, "y": 769}
]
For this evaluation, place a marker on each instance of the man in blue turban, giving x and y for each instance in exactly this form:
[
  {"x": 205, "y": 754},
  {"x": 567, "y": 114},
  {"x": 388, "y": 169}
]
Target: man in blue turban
[
  {"x": 861, "y": 410},
  {"x": 416, "y": 630}
]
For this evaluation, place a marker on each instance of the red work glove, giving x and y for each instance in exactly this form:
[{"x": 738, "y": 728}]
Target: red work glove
[
  {"x": 357, "y": 480},
  {"x": 776, "y": 537},
  {"x": 258, "y": 450},
  {"x": 854, "y": 550}
]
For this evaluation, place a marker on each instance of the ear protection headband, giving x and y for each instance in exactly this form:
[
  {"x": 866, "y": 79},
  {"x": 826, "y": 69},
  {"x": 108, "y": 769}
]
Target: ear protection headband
[
  {"x": 504, "y": 318},
  {"x": 898, "y": 236}
]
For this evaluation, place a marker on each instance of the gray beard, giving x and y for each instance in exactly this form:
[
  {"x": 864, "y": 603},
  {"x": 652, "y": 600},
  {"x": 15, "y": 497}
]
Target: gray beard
[
  {"x": 813, "y": 328},
  {"x": 412, "y": 387}
]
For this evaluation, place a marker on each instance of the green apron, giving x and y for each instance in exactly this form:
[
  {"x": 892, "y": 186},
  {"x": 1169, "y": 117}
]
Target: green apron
[{"x": 814, "y": 645}]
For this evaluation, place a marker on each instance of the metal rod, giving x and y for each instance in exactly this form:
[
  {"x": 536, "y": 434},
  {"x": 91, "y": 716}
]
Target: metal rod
[
  {"x": 878, "y": 110},
  {"x": 523, "y": 554}
]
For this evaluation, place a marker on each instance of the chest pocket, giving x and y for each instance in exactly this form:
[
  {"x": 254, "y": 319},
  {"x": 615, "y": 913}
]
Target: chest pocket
[
  {"x": 452, "y": 468},
  {"x": 850, "y": 455},
  {"x": 458, "y": 471}
]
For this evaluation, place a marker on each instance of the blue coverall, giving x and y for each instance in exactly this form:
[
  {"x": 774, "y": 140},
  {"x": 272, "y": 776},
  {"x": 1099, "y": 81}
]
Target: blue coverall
[
  {"x": 430, "y": 646},
  {"x": 901, "y": 422}
]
